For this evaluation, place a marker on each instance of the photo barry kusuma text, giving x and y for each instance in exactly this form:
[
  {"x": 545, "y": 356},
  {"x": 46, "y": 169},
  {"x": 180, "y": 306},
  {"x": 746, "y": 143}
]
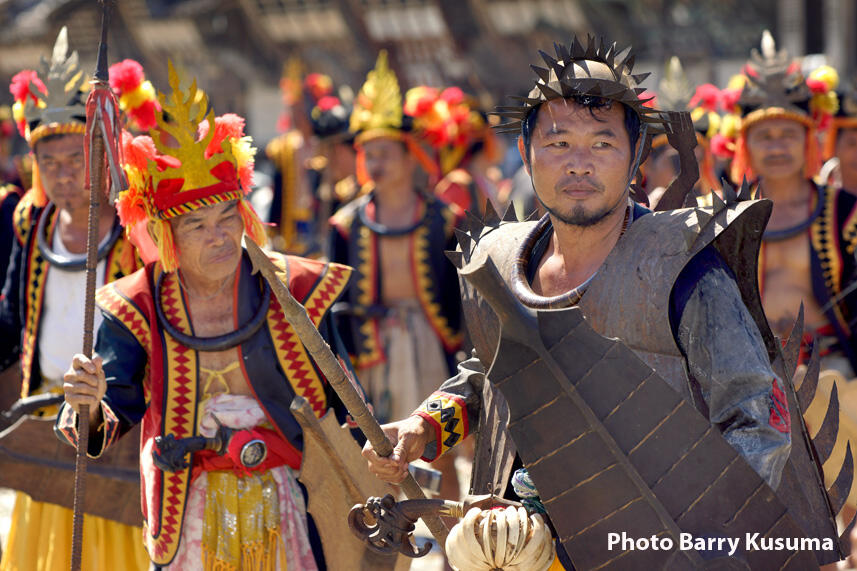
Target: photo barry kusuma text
[{"x": 621, "y": 541}]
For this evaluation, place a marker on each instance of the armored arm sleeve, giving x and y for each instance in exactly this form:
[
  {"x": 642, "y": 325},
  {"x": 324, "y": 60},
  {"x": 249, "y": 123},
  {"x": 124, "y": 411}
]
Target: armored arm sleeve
[
  {"x": 124, "y": 404},
  {"x": 453, "y": 409},
  {"x": 727, "y": 357}
]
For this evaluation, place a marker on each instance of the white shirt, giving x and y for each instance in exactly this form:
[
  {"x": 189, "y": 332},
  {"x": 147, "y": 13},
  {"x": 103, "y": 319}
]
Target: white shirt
[{"x": 61, "y": 329}]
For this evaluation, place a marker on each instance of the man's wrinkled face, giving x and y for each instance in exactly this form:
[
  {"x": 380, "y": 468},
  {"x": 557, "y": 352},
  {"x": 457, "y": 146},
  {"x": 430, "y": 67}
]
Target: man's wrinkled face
[
  {"x": 208, "y": 241},
  {"x": 388, "y": 163},
  {"x": 579, "y": 160},
  {"x": 846, "y": 152},
  {"x": 776, "y": 148},
  {"x": 62, "y": 168}
]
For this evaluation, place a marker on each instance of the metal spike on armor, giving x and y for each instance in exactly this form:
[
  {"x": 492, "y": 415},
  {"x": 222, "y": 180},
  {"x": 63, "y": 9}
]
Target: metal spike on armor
[
  {"x": 510, "y": 215},
  {"x": 455, "y": 257},
  {"x": 463, "y": 240},
  {"x": 791, "y": 350},
  {"x": 730, "y": 195},
  {"x": 745, "y": 192},
  {"x": 475, "y": 226},
  {"x": 841, "y": 487},
  {"x": 717, "y": 203},
  {"x": 704, "y": 216},
  {"x": 809, "y": 384},
  {"x": 491, "y": 218},
  {"x": 825, "y": 439}
]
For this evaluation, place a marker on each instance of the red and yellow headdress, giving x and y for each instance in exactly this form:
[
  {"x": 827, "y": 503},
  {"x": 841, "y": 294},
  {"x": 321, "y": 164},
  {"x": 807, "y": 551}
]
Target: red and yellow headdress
[
  {"x": 773, "y": 87},
  {"x": 378, "y": 114},
  {"x": 135, "y": 93},
  {"x": 845, "y": 118},
  {"x": 449, "y": 123},
  {"x": 208, "y": 166}
]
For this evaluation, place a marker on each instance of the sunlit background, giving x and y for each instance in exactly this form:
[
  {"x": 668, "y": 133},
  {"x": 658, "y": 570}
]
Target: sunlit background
[{"x": 237, "y": 49}]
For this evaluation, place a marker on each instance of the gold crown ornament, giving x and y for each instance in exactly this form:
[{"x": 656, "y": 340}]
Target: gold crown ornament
[
  {"x": 205, "y": 166},
  {"x": 378, "y": 113},
  {"x": 378, "y": 108}
]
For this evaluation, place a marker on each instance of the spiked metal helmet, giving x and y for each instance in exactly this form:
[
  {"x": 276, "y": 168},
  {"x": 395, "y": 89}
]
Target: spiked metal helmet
[{"x": 596, "y": 70}]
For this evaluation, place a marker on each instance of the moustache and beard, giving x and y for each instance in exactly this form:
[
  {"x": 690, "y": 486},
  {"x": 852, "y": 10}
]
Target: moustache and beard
[{"x": 579, "y": 215}]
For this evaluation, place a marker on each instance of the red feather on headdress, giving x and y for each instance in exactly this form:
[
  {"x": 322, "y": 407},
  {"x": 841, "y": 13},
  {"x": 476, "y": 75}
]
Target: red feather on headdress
[
  {"x": 126, "y": 75},
  {"x": 707, "y": 96},
  {"x": 20, "y": 88},
  {"x": 229, "y": 126}
]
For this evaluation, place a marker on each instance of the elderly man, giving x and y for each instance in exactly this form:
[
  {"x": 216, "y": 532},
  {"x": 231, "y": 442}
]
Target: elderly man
[
  {"x": 194, "y": 344},
  {"x": 662, "y": 283}
]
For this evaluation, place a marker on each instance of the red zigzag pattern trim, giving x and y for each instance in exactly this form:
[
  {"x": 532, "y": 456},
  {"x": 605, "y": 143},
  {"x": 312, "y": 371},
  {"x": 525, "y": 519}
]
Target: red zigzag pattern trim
[{"x": 178, "y": 420}]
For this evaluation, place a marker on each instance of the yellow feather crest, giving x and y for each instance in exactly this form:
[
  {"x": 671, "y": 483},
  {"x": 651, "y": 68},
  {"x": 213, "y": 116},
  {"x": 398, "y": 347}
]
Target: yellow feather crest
[
  {"x": 379, "y": 103},
  {"x": 186, "y": 113}
]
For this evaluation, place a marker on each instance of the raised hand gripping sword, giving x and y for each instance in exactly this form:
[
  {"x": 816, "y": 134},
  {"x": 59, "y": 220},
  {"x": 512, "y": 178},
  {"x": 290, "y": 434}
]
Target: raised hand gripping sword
[{"x": 296, "y": 315}]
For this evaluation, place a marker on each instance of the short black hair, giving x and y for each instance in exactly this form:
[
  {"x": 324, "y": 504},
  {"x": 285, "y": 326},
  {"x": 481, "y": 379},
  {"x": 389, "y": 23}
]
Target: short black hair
[{"x": 632, "y": 120}]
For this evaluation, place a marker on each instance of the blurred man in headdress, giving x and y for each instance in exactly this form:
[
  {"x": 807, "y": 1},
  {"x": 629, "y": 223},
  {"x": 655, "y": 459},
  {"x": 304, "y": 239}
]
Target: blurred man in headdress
[
  {"x": 807, "y": 253},
  {"x": 466, "y": 149},
  {"x": 42, "y": 306},
  {"x": 403, "y": 311}
]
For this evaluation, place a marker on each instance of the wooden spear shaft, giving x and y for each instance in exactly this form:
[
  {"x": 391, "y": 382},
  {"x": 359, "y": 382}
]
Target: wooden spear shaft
[
  {"x": 96, "y": 184},
  {"x": 296, "y": 315}
]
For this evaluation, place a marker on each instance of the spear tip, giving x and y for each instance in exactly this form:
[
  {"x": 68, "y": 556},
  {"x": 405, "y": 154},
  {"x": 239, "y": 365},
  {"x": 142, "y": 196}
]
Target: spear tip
[{"x": 101, "y": 70}]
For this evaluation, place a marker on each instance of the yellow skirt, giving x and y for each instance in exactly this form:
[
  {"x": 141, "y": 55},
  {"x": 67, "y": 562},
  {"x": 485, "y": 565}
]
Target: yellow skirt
[{"x": 40, "y": 540}]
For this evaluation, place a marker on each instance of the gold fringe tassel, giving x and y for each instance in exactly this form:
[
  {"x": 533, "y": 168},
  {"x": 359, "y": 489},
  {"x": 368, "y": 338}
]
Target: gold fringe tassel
[
  {"x": 252, "y": 225},
  {"x": 163, "y": 235},
  {"x": 255, "y": 556},
  {"x": 40, "y": 198}
]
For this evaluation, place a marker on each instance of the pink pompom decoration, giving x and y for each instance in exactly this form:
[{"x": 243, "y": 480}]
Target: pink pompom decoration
[
  {"x": 722, "y": 146},
  {"x": 20, "y": 86}
]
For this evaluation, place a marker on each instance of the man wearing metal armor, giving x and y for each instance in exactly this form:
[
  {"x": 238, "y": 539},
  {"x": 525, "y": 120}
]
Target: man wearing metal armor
[{"x": 603, "y": 295}]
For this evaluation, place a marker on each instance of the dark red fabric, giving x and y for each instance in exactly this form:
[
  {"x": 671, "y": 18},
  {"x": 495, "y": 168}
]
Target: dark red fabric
[{"x": 780, "y": 417}]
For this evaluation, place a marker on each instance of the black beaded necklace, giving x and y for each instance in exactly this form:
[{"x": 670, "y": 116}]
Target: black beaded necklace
[
  {"x": 383, "y": 230},
  {"x": 218, "y": 342},
  {"x": 786, "y": 233},
  {"x": 520, "y": 283},
  {"x": 71, "y": 263}
]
